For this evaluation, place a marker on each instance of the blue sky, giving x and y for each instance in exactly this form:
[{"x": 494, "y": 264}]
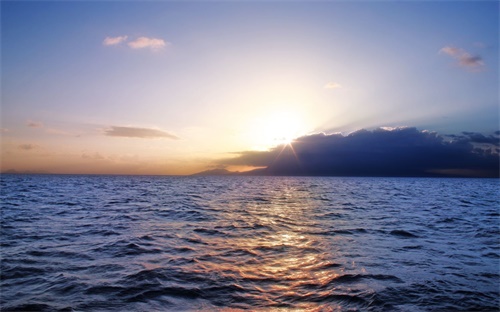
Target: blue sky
[{"x": 170, "y": 87}]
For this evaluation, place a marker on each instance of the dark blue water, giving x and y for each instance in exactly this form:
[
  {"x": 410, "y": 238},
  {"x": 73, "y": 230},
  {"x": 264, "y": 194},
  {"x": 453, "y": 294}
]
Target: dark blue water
[{"x": 121, "y": 243}]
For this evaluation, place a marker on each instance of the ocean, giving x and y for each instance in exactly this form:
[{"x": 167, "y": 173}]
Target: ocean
[{"x": 229, "y": 243}]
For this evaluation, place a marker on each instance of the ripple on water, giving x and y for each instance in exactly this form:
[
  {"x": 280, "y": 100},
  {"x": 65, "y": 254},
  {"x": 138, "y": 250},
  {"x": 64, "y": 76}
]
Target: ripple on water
[{"x": 117, "y": 243}]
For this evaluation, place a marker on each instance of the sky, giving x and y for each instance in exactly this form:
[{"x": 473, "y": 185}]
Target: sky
[{"x": 171, "y": 87}]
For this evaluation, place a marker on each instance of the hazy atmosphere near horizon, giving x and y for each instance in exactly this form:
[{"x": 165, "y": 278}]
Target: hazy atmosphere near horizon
[{"x": 294, "y": 87}]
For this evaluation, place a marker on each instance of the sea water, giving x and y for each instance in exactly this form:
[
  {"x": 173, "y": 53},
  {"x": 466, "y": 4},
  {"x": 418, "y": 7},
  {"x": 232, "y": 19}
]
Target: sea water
[{"x": 146, "y": 243}]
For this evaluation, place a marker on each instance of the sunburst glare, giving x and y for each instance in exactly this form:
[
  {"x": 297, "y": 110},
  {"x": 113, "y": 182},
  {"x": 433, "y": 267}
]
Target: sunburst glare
[{"x": 275, "y": 129}]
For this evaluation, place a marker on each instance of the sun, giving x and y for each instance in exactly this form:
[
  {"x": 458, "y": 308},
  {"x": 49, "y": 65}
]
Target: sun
[
  {"x": 282, "y": 130},
  {"x": 287, "y": 140},
  {"x": 279, "y": 128}
]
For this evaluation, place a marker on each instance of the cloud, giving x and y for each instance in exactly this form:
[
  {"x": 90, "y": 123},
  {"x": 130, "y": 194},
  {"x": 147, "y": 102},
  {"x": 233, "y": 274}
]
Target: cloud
[
  {"x": 5, "y": 130},
  {"x": 478, "y": 138},
  {"x": 154, "y": 44},
  {"x": 47, "y": 129},
  {"x": 59, "y": 132},
  {"x": 480, "y": 44},
  {"x": 133, "y": 132},
  {"x": 381, "y": 152},
  {"x": 464, "y": 58},
  {"x": 34, "y": 124},
  {"x": 151, "y": 43},
  {"x": 110, "y": 41},
  {"x": 28, "y": 147},
  {"x": 95, "y": 156},
  {"x": 332, "y": 85}
]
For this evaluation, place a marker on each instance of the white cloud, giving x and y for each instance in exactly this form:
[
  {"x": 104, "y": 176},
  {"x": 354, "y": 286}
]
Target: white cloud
[
  {"x": 155, "y": 44},
  {"x": 332, "y": 85},
  {"x": 151, "y": 43},
  {"x": 464, "y": 58},
  {"x": 109, "y": 41}
]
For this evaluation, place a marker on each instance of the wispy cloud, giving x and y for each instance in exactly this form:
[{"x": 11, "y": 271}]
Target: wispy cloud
[
  {"x": 47, "y": 129},
  {"x": 464, "y": 58},
  {"x": 480, "y": 44},
  {"x": 133, "y": 132},
  {"x": 28, "y": 147},
  {"x": 154, "y": 44},
  {"x": 109, "y": 41},
  {"x": 332, "y": 85},
  {"x": 95, "y": 156},
  {"x": 34, "y": 124}
]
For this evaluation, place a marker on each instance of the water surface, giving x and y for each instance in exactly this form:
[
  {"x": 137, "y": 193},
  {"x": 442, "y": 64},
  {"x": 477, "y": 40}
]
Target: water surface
[{"x": 140, "y": 243}]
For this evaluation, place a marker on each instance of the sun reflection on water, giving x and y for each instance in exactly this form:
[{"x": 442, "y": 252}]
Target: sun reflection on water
[
  {"x": 264, "y": 250},
  {"x": 284, "y": 259}
]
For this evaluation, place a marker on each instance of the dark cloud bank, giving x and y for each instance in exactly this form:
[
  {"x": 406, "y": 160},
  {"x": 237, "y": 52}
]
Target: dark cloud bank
[{"x": 381, "y": 152}]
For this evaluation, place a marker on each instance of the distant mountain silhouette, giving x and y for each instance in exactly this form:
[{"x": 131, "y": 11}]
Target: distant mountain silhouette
[
  {"x": 225, "y": 172},
  {"x": 215, "y": 172}
]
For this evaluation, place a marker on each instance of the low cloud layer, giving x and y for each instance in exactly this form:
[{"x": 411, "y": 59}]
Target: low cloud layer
[
  {"x": 381, "y": 152},
  {"x": 463, "y": 58},
  {"x": 143, "y": 133}
]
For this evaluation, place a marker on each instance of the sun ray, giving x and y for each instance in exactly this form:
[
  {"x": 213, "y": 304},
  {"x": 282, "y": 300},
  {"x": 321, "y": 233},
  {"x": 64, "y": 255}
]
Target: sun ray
[{"x": 292, "y": 149}]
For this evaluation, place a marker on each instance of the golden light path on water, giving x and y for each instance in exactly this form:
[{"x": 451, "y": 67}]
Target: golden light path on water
[{"x": 284, "y": 259}]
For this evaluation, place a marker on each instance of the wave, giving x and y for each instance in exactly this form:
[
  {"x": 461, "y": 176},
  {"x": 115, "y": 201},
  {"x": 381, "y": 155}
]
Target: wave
[{"x": 84, "y": 243}]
